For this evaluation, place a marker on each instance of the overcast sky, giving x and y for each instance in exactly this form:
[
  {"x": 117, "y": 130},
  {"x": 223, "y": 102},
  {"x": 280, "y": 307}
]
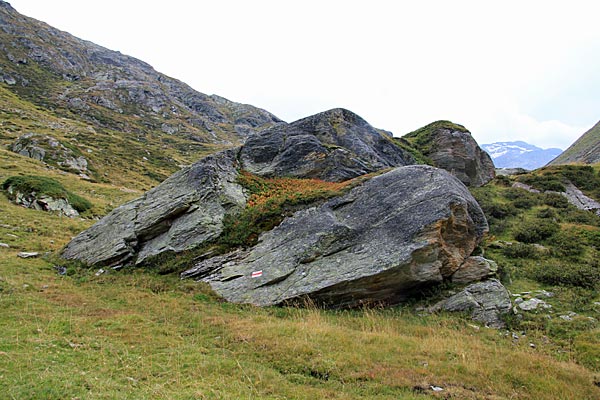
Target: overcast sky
[{"x": 507, "y": 70}]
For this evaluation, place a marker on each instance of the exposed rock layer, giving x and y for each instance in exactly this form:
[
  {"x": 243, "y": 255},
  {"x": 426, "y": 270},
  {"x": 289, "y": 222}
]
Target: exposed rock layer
[
  {"x": 182, "y": 212},
  {"x": 411, "y": 227},
  {"x": 486, "y": 301},
  {"x": 334, "y": 145}
]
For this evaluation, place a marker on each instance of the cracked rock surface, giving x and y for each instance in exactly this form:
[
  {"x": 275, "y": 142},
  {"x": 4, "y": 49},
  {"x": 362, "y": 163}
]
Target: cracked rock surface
[
  {"x": 486, "y": 301},
  {"x": 410, "y": 227},
  {"x": 185, "y": 210}
]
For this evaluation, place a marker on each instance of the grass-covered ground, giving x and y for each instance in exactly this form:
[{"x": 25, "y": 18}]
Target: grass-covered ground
[{"x": 139, "y": 335}]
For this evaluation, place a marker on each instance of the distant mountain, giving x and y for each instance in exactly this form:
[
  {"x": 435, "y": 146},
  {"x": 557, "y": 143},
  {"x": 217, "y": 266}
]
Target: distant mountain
[
  {"x": 519, "y": 155},
  {"x": 585, "y": 150},
  {"x": 127, "y": 121}
]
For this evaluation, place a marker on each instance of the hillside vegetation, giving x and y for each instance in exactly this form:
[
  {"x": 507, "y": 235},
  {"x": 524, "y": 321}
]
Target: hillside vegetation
[
  {"x": 585, "y": 150},
  {"x": 135, "y": 334}
]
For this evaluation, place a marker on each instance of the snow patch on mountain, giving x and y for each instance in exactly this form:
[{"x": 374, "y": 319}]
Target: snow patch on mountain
[{"x": 519, "y": 154}]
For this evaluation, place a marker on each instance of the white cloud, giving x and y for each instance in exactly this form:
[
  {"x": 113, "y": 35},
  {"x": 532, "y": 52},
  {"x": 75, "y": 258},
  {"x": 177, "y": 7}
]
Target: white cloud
[{"x": 509, "y": 70}]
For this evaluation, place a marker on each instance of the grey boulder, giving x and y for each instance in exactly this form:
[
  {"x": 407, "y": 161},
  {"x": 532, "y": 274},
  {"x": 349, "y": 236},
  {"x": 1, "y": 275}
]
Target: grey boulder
[
  {"x": 186, "y": 210},
  {"x": 334, "y": 145},
  {"x": 411, "y": 227},
  {"x": 486, "y": 301},
  {"x": 42, "y": 202},
  {"x": 451, "y": 147}
]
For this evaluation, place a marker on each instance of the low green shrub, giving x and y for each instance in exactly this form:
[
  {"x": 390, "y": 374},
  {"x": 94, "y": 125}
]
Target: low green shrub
[
  {"x": 547, "y": 212},
  {"x": 560, "y": 273},
  {"x": 520, "y": 250},
  {"x": 555, "y": 200},
  {"x": 567, "y": 244},
  {"x": 576, "y": 216},
  {"x": 535, "y": 231},
  {"x": 544, "y": 182}
]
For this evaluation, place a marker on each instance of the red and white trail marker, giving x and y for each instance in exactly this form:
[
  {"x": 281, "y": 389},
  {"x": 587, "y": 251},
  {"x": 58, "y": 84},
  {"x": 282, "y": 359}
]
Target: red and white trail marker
[{"x": 257, "y": 274}]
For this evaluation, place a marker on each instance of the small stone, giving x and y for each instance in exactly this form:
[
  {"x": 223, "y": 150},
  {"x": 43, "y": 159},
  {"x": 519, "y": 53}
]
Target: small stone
[
  {"x": 100, "y": 272},
  {"x": 436, "y": 388},
  {"x": 4, "y": 246},
  {"x": 515, "y": 336},
  {"x": 25, "y": 254},
  {"x": 531, "y": 304},
  {"x": 544, "y": 293},
  {"x": 60, "y": 270},
  {"x": 532, "y": 345}
]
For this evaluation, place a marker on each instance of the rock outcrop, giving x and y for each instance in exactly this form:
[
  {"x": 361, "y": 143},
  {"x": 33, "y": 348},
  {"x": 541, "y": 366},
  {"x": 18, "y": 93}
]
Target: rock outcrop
[
  {"x": 48, "y": 149},
  {"x": 580, "y": 200},
  {"x": 44, "y": 194},
  {"x": 335, "y": 145},
  {"x": 400, "y": 231},
  {"x": 475, "y": 269},
  {"x": 42, "y": 202},
  {"x": 185, "y": 210},
  {"x": 451, "y": 147},
  {"x": 486, "y": 301}
]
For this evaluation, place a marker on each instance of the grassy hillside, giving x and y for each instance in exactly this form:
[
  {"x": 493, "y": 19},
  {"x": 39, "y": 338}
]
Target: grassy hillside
[
  {"x": 125, "y": 334},
  {"x": 585, "y": 150},
  {"x": 133, "y": 162}
]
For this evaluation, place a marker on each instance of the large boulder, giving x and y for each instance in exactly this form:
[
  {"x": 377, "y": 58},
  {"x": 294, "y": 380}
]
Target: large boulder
[
  {"x": 451, "y": 147},
  {"x": 184, "y": 211},
  {"x": 334, "y": 145},
  {"x": 408, "y": 228}
]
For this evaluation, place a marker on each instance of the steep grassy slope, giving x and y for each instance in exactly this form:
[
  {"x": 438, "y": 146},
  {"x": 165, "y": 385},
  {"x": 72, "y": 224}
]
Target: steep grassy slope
[{"x": 585, "y": 150}]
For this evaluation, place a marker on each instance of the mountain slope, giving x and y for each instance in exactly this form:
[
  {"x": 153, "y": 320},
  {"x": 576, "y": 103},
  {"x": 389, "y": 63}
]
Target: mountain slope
[
  {"x": 519, "y": 154},
  {"x": 123, "y": 115},
  {"x": 585, "y": 150}
]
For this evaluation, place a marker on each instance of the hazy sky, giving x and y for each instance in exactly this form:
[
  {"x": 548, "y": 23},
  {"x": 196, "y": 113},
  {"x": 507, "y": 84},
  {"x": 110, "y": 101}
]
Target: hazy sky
[{"x": 507, "y": 70}]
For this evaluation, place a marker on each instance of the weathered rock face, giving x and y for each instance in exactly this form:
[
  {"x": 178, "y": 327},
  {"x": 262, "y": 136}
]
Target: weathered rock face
[
  {"x": 487, "y": 301},
  {"x": 407, "y": 228},
  {"x": 185, "y": 210},
  {"x": 334, "y": 145},
  {"x": 48, "y": 149},
  {"x": 451, "y": 147},
  {"x": 475, "y": 269},
  {"x": 580, "y": 200}
]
